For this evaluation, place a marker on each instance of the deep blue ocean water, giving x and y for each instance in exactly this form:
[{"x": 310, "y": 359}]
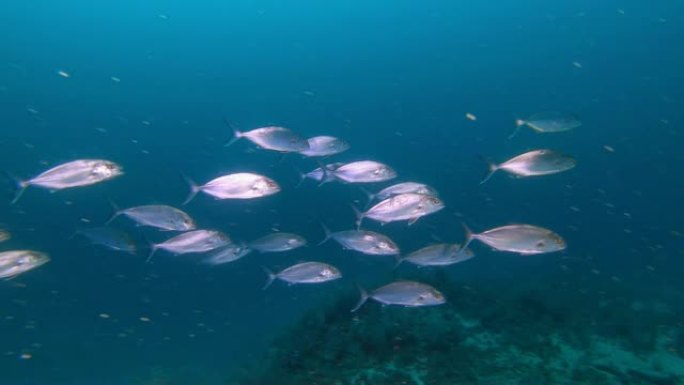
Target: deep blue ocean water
[{"x": 150, "y": 84}]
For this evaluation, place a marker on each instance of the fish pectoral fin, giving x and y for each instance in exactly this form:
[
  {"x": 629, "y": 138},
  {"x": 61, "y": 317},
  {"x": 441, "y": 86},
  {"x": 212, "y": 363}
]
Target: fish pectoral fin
[{"x": 413, "y": 220}]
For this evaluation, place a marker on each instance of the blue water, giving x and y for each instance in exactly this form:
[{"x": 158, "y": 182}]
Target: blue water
[{"x": 395, "y": 79}]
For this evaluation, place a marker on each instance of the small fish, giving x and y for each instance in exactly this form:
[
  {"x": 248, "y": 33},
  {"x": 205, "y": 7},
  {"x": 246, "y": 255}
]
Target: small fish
[
  {"x": 408, "y": 206},
  {"x": 403, "y": 293},
  {"x": 77, "y": 173},
  {"x": 402, "y": 188},
  {"x": 4, "y": 235},
  {"x": 319, "y": 175},
  {"x": 276, "y": 242},
  {"x": 160, "y": 216},
  {"x": 522, "y": 239},
  {"x": 109, "y": 237},
  {"x": 226, "y": 254},
  {"x": 534, "y": 163},
  {"x": 196, "y": 241},
  {"x": 363, "y": 241},
  {"x": 325, "y": 146},
  {"x": 548, "y": 122},
  {"x": 441, "y": 254},
  {"x": 364, "y": 171},
  {"x": 273, "y": 138},
  {"x": 15, "y": 262},
  {"x": 306, "y": 272},
  {"x": 242, "y": 185}
]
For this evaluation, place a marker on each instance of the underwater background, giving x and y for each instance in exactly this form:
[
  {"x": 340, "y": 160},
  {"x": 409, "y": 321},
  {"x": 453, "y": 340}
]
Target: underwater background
[{"x": 149, "y": 84}]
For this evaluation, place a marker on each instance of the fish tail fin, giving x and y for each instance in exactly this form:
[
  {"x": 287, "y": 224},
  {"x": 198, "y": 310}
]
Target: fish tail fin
[
  {"x": 398, "y": 260},
  {"x": 491, "y": 169},
  {"x": 271, "y": 277},
  {"x": 326, "y": 173},
  {"x": 116, "y": 211},
  {"x": 153, "y": 250},
  {"x": 236, "y": 134},
  {"x": 362, "y": 300},
  {"x": 518, "y": 123},
  {"x": 194, "y": 189},
  {"x": 328, "y": 234},
  {"x": 301, "y": 175},
  {"x": 469, "y": 235},
  {"x": 369, "y": 195},
  {"x": 21, "y": 186},
  {"x": 359, "y": 216}
]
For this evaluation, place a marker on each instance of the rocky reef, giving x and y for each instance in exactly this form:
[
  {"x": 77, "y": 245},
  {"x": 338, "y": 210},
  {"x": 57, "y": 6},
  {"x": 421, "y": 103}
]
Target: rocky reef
[{"x": 555, "y": 334}]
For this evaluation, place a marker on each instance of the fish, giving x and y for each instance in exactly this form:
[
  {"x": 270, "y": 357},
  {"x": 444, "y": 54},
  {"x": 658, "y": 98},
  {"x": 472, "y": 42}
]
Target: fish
[
  {"x": 325, "y": 146},
  {"x": 363, "y": 241},
  {"x": 408, "y": 206},
  {"x": 534, "y": 163},
  {"x": 273, "y": 138},
  {"x": 226, "y": 254},
  {"x": 523, "y": 239},
  {"x": 110, "y": 238},
  {"x": 195, "y": 241},
  {"x": 402, "y": 188},
  {"x": 242, "y": 185},
  {"x": 548, "y": 122},
  {"x": 319, "y": 175},
  {"x": 403, "y": 293},
  {"x": 16, "y": 262},
  {"x": 276, "y": 242},
  {"x": 441, "y": 254},
  {"x": 5, "y": 235},
  {"x": 364, "y": 171},
  {"x": 305, "y": 272},
  {"x": 159, "y": 216},
  {"x": 77, "y": 173}
]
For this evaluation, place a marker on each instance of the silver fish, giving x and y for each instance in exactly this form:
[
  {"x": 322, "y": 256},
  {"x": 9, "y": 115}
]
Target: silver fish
[
  {"x": 548, "y": 122},
  {"x": 363, "y": 241},
  {"x": 15, "y": 262},
  {"x": 319, "y": 175},
  {"x": 534, "y": 163},
  {"x": 77, "y": 173},
  {"x": 274, "y": 138},
  {"x": 276, "y": 242},
  {"x": 4, "y": 235},
  {"x": 226, "y": 254},
  {"x": 110, "y": 238},
  {"x": 364, "y": 171},
  {"x": 402, "y": 207},
  {"x": 325, "y": 146},
  {"x": 522, "y": 239},
  {"x": 403, "y": 293},
  {"x": 306, "y": 272},
  {"x": 242, "y": 185},
  {"x": 160, "y": 216},
  {"x": 441, "y": 254},
  {"x": 403, "y": 188},
  {"x": 196, "y": 241}
]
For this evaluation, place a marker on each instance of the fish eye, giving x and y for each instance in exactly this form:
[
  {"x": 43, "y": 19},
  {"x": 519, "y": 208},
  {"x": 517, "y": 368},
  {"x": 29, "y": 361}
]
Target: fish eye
[
  {"x": 434, "y": 201},
  {"x": 540, "y": 244}
]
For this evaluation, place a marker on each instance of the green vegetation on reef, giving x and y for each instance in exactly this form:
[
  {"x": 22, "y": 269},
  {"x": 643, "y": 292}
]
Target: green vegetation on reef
[{"x": 484, "y": 335}]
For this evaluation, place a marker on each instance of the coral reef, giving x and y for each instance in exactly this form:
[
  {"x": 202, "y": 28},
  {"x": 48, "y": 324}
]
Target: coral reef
[{"x": 483, "y": 336}]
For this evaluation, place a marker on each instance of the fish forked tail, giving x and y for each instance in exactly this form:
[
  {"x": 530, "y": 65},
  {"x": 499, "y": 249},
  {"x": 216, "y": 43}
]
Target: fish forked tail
[
  {"x": 194, "y": 189},
  {"x": 369, "y": 195},
  {"x": 116, "y": 211},
  {"x": 518, "y": 123},
  {"x": 328, "y": 234},
  {"x": 301, "y": 175},
  {"x": 491, "y": 169},
  {"x": 328, "y": 174},
  {"x": 271, "y": 277},
  {"x": 21, "y": 186},
  {"x": 362, "y": 300},
  {"x": 398, "y": 260},
  {"x": 153, "y": 250},
  {"x": 236, "y": 134},
  {"x": 359, "y": 216},
  {"x": 469, "y": 236}
]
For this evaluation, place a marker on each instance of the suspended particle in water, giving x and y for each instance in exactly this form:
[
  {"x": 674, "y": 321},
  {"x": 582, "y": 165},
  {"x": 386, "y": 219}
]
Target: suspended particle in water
[
  {"x": 470, "y": 116},
  {"x": 63, "y": 74}
]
